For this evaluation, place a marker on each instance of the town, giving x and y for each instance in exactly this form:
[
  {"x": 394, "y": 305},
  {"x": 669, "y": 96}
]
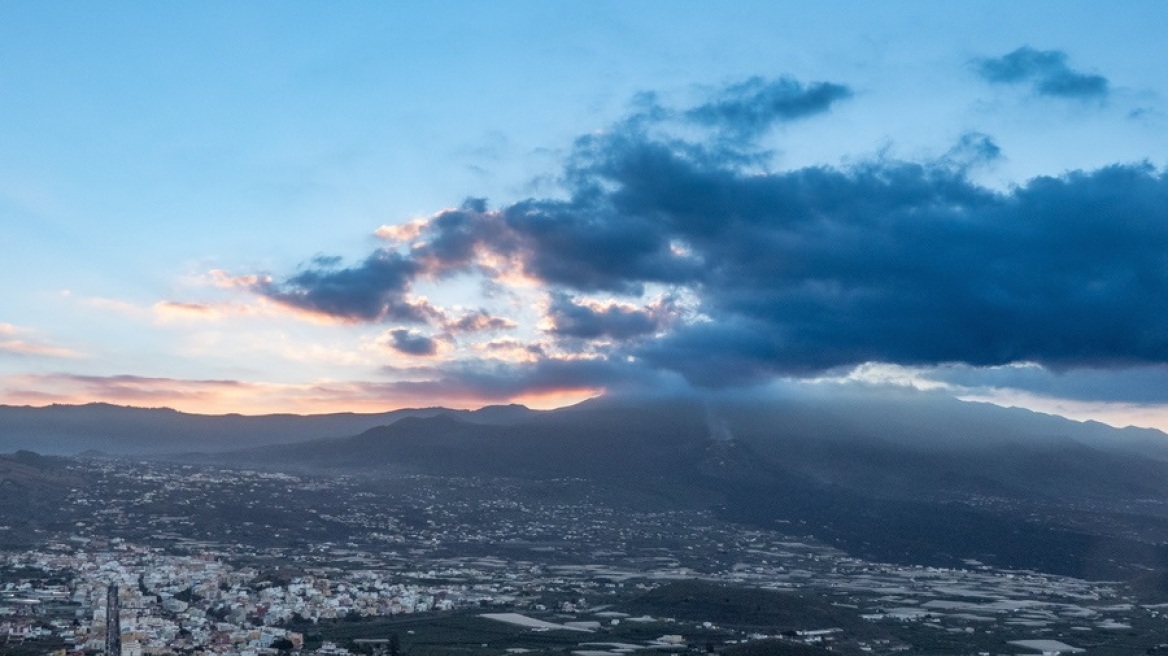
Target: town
[{"x": 214, "y": 560}]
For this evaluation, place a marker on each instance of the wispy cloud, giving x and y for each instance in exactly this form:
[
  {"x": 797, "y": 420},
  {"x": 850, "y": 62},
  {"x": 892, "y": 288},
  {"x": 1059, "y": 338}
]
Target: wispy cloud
[
  {"x": 478, "y": 321},
  {"x": 16, "y": 341},
  {"x": 749, "y": 108},
  {"x": 541, "y": 388}
]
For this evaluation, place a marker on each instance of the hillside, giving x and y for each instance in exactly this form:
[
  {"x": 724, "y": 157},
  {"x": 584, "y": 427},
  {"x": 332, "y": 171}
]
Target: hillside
[
  {"x": 908, "y": 479},
  {"x": 895, "y": 477},
  {"x": 32, "y": 487},
  {"x": 608, "y": 443}
]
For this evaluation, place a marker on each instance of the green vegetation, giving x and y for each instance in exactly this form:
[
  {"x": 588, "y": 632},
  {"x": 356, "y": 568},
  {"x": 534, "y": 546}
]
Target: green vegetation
[{"x": 700, "y": 601}]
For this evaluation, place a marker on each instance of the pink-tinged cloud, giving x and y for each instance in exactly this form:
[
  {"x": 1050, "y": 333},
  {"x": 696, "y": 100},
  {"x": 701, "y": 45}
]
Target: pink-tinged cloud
[
  {"x": 512, "y": 350},
  {"x": 21, "y": 342},
  {"x": 115, "y": 306},
  {"x": 224, "y": 280},
  {"x": 177, "y": 311},
  {"x": 186, "y": 311},
  {"x": 403, "y": 233},
  {"x": 120, "y": 389},
  {"x": 544, "y": 384},
  {"x": 23, "y": 348}
]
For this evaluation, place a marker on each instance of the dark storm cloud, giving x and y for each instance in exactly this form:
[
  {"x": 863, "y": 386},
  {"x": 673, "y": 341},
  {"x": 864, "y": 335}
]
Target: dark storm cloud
[
  {"x": 1046, "y": 71},
  {"x": 911, "y": 263},
  {"x": 802, "y": 271},
  {"x": 716, "y": 354},
  {"x": 373, "y": 290},
  {"x": 815, "y": 268},
  {"x": 584, "y": 245},
  {"x": 750, "y": 108},
  {"x": 410, "y": 342},
  {"x": 584, "y": 321}
]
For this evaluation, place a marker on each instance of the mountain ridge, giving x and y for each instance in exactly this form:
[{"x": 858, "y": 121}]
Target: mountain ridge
[
  {"x": 889, "y": 477},
  {"x": 61, "y": 429}
]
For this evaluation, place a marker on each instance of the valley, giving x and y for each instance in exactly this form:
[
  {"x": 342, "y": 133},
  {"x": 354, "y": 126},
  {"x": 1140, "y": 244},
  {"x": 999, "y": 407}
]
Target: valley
[{"x": 595, "y": 529}]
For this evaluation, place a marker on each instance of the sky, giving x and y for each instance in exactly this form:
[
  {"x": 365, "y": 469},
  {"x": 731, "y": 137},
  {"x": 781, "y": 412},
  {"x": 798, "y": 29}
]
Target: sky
[{"x": 305, "y": 207}]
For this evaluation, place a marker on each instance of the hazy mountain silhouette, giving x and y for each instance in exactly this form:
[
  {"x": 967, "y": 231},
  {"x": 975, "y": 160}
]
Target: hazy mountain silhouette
[{"x": 120, "y": 430}]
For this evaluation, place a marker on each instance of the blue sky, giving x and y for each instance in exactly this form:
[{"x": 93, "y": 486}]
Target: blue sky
[{"x": 666, "y": 196}]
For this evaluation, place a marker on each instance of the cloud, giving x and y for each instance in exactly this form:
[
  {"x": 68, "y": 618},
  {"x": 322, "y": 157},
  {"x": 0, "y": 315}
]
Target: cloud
[
  {"x": 499, "y": 381},
  {"x": 1143, "y": 384},
  {"x": 593, "y": 320},
  {"x": 973, "y": 149},
  {"x": 1046, "y": 71},
  {"x": 476, "y": 322},
  {"x": 186, "y": 311},
  {"x": 15, "y": 341},
  {"x": 181, "y": 309},
  {"x": 373, "y": 289},
  {"x": 1135, "y": 396},
  {"x": 792, "y": 272},
  {"x": 535, "y": 232},
  {"x": 403, "y": 233},
  {"x": 549, "y": 383},
  {"x": 512, "y": 350},
  {"x": 749, "y": 108},
  {"x": 410, "y": 342},
  {"x": 910, "y": 263},
  {"x": 376, "y": 289},
  {"x": 127, "y": 389},
  {"x": 22, "y": 348}
]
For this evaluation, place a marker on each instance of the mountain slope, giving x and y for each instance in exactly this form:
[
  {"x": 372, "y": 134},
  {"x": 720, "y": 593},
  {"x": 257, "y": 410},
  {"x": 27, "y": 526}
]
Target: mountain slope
[
  {"x": 908, "y": 479},
  {"x": 611, "y": 443},
  {"x": 32, "y": 488}
]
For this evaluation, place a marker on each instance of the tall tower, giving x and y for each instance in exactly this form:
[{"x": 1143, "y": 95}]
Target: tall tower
[{"x": 113, "y": 622}]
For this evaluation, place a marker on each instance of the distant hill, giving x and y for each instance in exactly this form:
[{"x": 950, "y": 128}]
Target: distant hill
[
  {"x": 119, "y": 430},
  {"x": 902, "y": 478}
]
